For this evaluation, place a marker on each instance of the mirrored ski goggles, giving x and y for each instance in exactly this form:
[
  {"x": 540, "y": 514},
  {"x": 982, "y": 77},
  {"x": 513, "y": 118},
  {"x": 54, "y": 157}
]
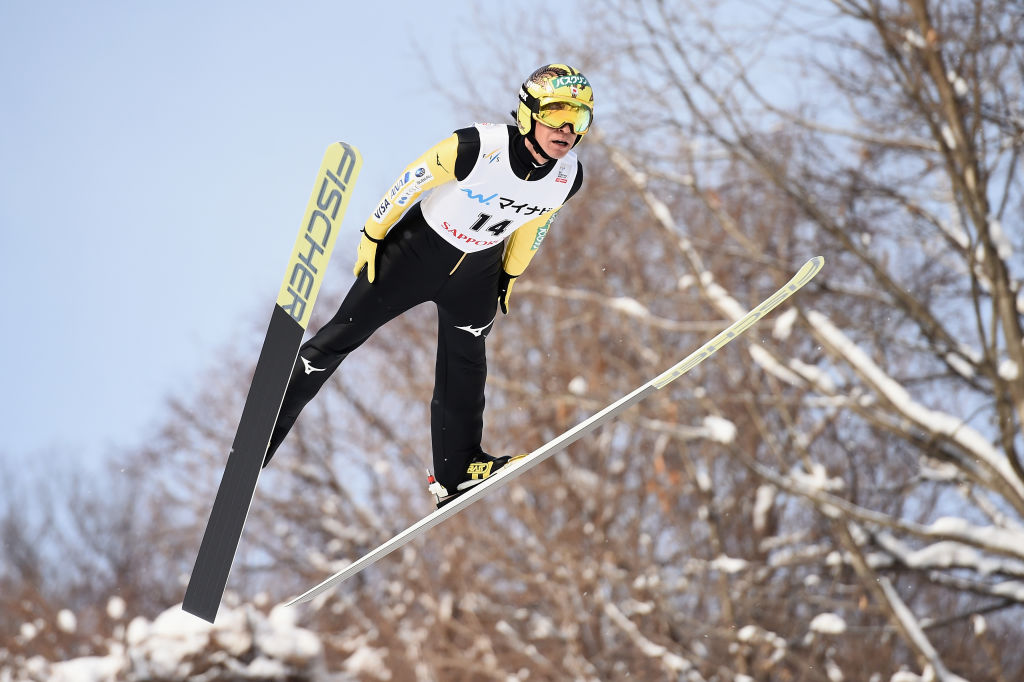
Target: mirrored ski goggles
[{"x": 556, "y": 113}]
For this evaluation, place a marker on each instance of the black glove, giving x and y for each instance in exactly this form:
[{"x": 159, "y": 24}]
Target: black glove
[{"x": 505, "y": 282}]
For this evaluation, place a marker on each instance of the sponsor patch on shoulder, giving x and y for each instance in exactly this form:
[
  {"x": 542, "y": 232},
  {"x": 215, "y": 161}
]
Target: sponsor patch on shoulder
[
  {"x": 543, "y": 232},
  {"x": 382, "y": 210},
  {"x": 409, "y": 184}
]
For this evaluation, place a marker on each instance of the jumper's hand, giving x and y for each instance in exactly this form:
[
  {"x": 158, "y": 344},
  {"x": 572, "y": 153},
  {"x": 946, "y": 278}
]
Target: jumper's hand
[
  {"x": 505, "y": 282},
  {"x": 367, "y": 256}
]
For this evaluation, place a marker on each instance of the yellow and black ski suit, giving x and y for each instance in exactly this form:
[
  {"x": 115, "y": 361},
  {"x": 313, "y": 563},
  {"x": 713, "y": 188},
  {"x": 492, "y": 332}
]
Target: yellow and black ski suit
[{"x": 416, "y": 264}]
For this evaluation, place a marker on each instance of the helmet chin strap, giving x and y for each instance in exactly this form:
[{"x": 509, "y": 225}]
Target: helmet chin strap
[{"x": 536, "y": 145}]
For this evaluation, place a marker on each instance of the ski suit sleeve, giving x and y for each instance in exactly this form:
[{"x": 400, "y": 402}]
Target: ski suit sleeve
[
  {"x": 434, "y": 167},
  {"x": 519, "y": 250},
  {"x": 429, "y": 170},
  {"x": 524, "y": 242}
]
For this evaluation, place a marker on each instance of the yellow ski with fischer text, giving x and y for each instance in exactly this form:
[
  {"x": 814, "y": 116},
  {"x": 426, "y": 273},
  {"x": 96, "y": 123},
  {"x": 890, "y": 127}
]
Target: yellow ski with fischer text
[
  {"x": 306, "y": 267},
  {"x": 321, "y": 223}
]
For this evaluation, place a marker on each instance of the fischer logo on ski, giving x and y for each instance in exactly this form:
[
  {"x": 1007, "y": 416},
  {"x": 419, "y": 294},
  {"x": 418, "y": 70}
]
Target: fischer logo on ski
[
  {"x": 291, "y": 314},
  {"x": 313, "y": 248}
]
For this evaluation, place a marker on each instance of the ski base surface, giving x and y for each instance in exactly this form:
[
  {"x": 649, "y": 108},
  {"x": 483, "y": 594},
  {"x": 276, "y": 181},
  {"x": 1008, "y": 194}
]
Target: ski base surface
[
  {"x": 521, "y": 465},
  {"x": 288, "y": 322}
]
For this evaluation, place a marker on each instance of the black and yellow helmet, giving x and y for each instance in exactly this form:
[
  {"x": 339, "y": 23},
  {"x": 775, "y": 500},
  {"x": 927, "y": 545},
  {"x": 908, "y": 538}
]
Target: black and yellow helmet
[{"x": 556, "y": 94}]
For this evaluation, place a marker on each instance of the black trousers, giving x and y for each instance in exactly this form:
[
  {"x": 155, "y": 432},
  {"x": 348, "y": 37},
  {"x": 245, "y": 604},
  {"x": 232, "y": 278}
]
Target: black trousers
[{"x": 416, "y": 265}]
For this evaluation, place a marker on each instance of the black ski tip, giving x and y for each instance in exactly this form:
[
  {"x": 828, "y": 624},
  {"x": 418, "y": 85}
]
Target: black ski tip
[{"x": 200, "y": 608}]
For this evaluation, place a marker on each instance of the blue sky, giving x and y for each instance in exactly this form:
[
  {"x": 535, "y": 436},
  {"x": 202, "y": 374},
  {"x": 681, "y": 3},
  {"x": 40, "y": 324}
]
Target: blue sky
[{"x": 157, "y": 158}]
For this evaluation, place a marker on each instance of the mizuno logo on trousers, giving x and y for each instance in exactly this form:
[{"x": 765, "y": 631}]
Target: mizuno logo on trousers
[
  {"x": 476, "y": 331},
  {"x": 309, "y": 367}
]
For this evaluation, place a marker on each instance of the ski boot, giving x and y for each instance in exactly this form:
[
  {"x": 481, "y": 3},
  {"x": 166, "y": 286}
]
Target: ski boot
[{"x": 479, "y": 469}]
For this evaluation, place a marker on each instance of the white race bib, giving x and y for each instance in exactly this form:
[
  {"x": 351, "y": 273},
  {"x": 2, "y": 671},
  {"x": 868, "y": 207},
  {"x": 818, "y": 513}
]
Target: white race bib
[{"x": 492, "y": 202}]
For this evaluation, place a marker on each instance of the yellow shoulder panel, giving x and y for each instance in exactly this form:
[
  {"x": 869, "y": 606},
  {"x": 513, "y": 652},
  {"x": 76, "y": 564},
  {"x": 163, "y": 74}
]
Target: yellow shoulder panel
[
  {"x": 434, "y": 167},
  {"x": 524, "y": 242}
]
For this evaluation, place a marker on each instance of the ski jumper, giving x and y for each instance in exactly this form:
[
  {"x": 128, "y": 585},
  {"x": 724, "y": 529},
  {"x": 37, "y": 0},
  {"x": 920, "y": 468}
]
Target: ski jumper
[{"x": 443, "y": 227}]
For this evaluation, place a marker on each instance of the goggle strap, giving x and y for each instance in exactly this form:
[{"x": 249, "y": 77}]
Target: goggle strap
[{"x": 531, "y": 102}]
